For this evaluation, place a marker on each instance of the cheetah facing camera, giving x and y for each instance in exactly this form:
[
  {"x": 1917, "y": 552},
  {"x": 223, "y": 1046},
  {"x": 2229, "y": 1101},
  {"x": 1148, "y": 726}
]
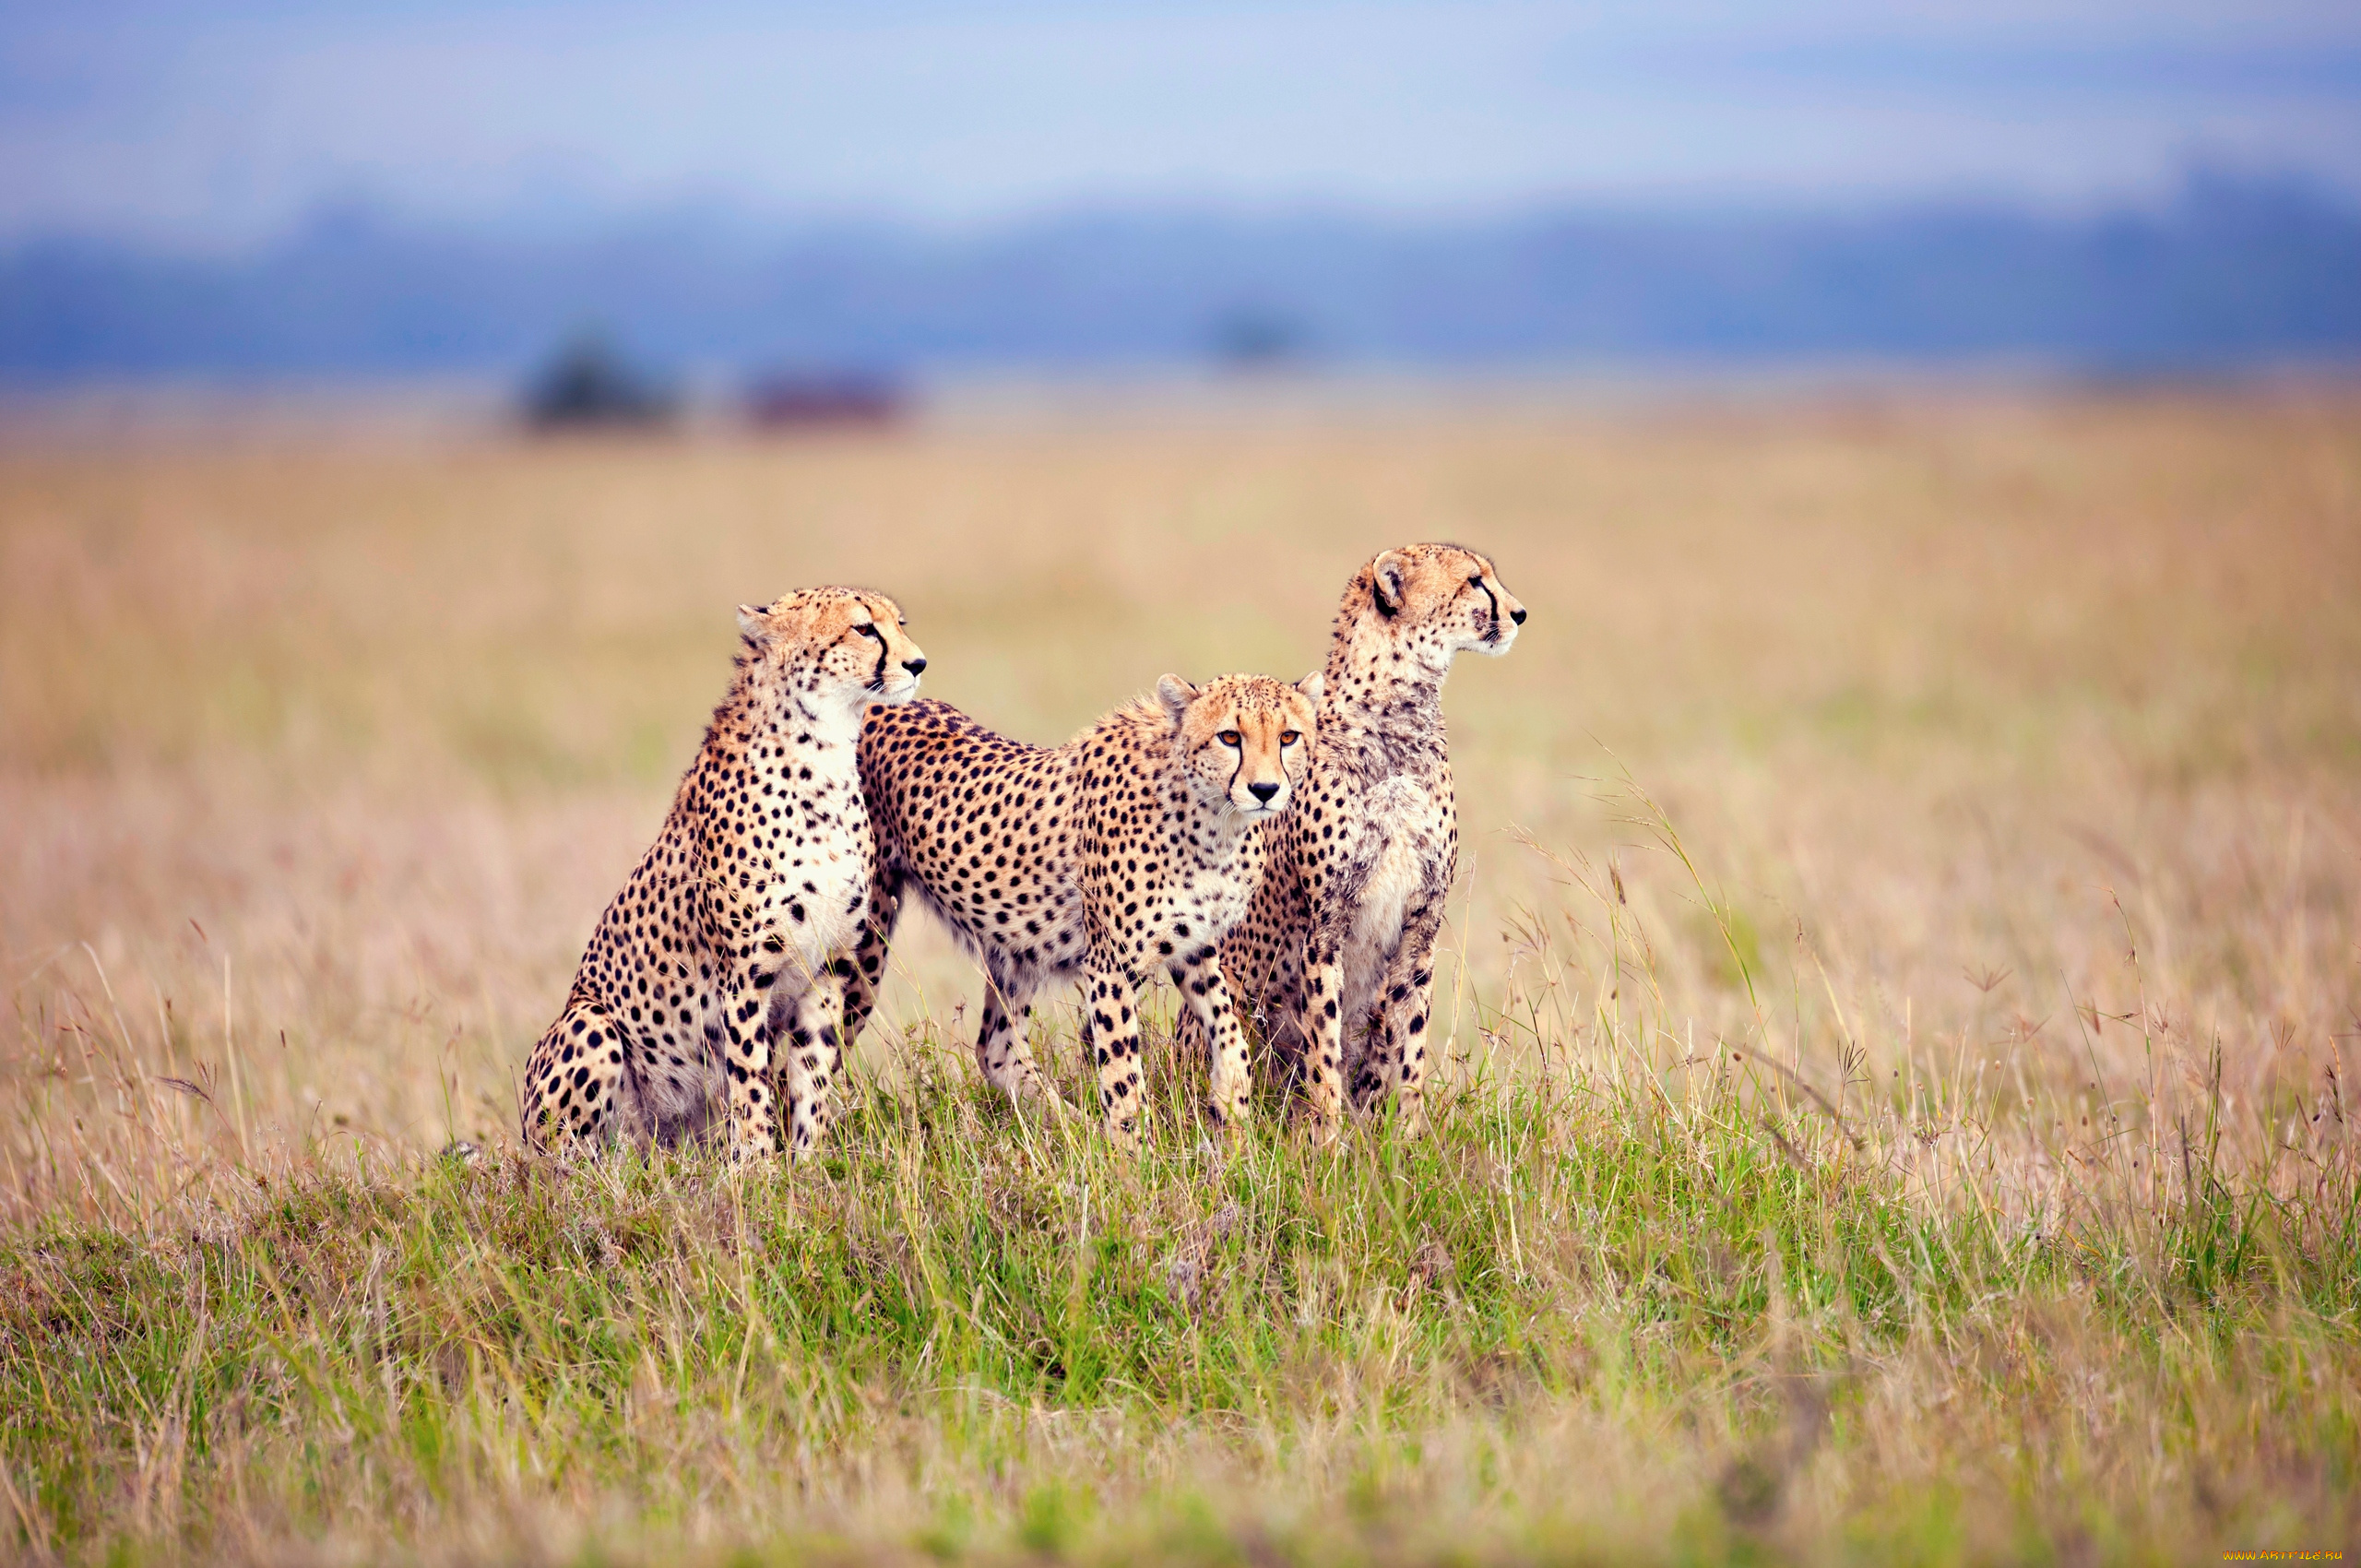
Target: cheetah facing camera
[
  {"x": 1134, "y": 846},
  {"x": 733, "y": 930},
  {"x": 1336, "y": 956}
]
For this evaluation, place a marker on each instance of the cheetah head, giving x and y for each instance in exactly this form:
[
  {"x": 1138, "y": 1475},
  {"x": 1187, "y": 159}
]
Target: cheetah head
[
  {"x": 1442, "y": 599},
  {"x": 1244, "y": 739},
  {"x": 839, "y": 643}
]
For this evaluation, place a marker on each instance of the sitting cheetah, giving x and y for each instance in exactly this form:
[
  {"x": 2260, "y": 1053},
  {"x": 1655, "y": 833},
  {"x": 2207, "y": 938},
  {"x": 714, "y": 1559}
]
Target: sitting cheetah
[
  {"x": 1133, "y": 845},
  {"x": 733, "y": 926},
  {"x": 1336, "y": 956}
]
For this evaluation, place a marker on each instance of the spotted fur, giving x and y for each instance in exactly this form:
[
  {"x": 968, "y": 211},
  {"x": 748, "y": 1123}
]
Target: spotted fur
[
  {"x": 1335, "y": 959},
  {"x": 1132, "y": 847},
  {"x": 735, "y": 928}
]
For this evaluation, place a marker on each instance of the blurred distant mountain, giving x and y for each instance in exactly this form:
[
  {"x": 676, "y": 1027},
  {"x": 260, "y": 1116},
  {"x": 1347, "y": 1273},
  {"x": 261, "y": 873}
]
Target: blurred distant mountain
[{"x": 2230, "y": 271}]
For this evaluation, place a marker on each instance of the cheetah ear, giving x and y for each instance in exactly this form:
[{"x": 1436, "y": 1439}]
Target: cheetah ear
[
  {"x": 754, "y": 624},
  {"x": 1314, "y": 685},
  {"x": 1387, "y": 574},
  {"x": 1175, "y": 693}
]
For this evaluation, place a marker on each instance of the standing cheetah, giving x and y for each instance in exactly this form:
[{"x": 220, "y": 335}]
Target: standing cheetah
[
  {"x": 1336, "y": 956},
  {"x": 731, "y": 928},
  {"x": 1134, "y": 846}
]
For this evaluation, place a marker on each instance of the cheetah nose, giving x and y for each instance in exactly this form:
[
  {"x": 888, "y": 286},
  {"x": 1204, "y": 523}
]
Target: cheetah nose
[
  {"x": 915, "y": 666},
  {"x": 1262, "y": 792},
  {"x": 1517, "y": 616}
]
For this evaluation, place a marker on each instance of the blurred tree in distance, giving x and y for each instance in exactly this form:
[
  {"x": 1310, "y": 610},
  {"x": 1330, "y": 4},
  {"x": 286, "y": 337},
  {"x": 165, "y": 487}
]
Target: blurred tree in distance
[{"x": 591, "y": 384}]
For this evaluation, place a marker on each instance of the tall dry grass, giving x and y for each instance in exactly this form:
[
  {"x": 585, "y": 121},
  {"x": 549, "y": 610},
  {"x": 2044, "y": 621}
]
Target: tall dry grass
[{"x": 1947, "y": 808}]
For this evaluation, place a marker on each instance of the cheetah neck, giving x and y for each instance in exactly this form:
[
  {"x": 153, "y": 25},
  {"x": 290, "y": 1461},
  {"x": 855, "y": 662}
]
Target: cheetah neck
[
  {"x": 1383, "y": 705},
  {"x": 804, "y": 729},
  {"x": 1215, "y": 833}
]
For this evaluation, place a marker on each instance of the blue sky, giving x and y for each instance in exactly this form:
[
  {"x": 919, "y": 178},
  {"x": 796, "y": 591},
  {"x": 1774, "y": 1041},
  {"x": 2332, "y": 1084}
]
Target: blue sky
[{"x": 220, "y": 124}]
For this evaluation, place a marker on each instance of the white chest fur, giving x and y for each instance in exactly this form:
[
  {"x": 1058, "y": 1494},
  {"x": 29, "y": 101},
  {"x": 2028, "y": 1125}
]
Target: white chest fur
[
  {"x": 1213, "y": 900},
  {"x": 835, "y": 923},
  {"x": 1404, "y": 824},
  {"x": 1403, "y": 828},
  {"x": 822, "y": 869}
]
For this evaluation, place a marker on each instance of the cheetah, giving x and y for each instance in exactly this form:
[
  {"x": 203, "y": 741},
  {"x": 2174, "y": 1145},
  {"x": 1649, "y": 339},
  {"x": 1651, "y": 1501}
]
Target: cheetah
[
  {"x": 1133, "y": 847},
  {"x": 735, "y": 928},
  {"x": 1334, "y": 960}
]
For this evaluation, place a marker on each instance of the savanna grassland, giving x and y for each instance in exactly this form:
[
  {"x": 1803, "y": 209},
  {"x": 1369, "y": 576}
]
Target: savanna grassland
[{"x": 1908, "y": 943}]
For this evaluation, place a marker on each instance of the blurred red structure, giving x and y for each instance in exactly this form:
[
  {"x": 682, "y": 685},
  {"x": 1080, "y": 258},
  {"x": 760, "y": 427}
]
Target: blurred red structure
[{"x": 812, "y": 402}]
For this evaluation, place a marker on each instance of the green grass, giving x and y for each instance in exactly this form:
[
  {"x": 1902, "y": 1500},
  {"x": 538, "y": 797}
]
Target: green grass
[
  {"x": 1951, "y": 1161},
  {"x": 1597, "y": 1314}
]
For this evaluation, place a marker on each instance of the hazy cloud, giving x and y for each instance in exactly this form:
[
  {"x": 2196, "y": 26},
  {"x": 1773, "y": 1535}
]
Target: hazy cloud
[{"x": 219, "y": 123}]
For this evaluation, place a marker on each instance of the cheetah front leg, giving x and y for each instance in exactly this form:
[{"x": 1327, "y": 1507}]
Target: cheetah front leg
[
  {"x": 811, "y": 1059},
  {"x": 1278, "y": 1013},
  {"x": 1003, "y": 1053},
  {"x": 1396, "y": 1055},
  {"x": 1112, "y": 1035},
  {"x": 746, "y": 1059},
  {"x": 864, "y": 972},
  {"x": 1198, "y": 975},
  {"x": 1322, "y": 1026}
]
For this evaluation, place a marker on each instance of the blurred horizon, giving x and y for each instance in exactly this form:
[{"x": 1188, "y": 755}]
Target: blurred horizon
[{"x": 2230, "y": 273}]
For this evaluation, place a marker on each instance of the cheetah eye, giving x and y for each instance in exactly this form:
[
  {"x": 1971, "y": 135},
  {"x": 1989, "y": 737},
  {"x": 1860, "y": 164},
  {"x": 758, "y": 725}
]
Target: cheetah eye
[
  {"x": 1289, "y": 737},
  {"x": 1227, "y": 737},
  {"x": 1476, "y": 581},
  {"x": 869, "y": 629}
]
